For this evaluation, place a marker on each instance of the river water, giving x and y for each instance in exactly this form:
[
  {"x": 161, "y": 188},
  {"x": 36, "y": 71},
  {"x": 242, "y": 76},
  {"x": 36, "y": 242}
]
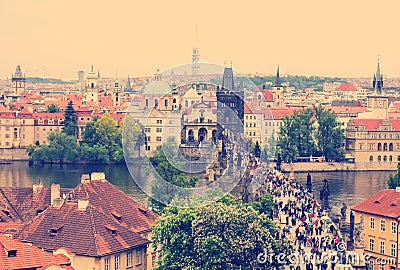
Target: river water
[{"x": 348, "y": 187}]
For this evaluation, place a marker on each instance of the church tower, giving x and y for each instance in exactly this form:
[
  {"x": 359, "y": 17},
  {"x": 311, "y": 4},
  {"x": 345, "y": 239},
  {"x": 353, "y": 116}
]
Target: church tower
[
  {"x": 278, "y": 92},
  {"x": 91, "y": 80},
  {"x": 116, "y": 93},
  {"x": 378, "y": 102},
  {"x": 18, "y": 81}
]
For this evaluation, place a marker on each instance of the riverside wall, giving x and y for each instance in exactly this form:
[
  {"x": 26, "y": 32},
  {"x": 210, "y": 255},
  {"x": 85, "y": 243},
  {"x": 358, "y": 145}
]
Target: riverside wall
[
  {"x": 16, "y": 154},
  {"x": 339, "y": 166}
]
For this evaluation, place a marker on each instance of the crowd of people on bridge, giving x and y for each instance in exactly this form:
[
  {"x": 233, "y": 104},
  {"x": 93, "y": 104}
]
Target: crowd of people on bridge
[{"x": 301, "y": 219}]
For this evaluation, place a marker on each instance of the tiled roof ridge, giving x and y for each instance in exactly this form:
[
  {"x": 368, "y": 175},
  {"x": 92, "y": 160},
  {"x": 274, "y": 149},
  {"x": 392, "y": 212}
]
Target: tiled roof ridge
[
  {"x": 9, "y": 203},
  {"x": 96, "y": 244}
]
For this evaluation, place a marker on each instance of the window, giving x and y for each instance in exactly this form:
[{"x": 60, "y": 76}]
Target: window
[
  {"x": 394, "y": 228},
  {"x": 371, "y": 244},
  {"x": 116, "y": 262},
  {"x": 382, "y": 247},
  {"x": 148, "y": 138},
  {"x": 372, "y": 223},
  {"x": 371, "y": 159},
  {"x": 390, "y": 158},
  {"x": 148, "y": 148},
  {"x": 107, "y": 264},
  {"x": 158, "y": 138},
  {"x": 393, "y": 249},
  {"x": 158, "y": 129},
  {"x": 147, "y": 130},
  {"x": 384, "y": 158},
  {"x": 138, "y": 257},
  {"x": 7, "y": 128},
  {"x": 147, "y": 102},
  {"x": 379, "y": 158},
  {"x": 371, "y": 146},
  {"x": 383, "y": 225},
  {"x": 7, "y": 136},
  {"x": 159, "y": 121},
  {"x": 361, "y": 146},
  {"x": 129, "y": 259}
]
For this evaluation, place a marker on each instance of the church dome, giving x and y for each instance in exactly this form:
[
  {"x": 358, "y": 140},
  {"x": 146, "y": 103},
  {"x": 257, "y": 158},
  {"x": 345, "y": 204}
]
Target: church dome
[{"x": 156, "y": 88}]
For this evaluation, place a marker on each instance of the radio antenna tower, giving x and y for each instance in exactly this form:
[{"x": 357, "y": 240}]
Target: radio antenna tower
[{"x": 195, "y": 57}]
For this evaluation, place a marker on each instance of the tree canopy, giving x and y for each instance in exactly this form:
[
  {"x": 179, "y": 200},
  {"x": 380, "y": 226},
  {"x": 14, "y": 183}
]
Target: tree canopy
[
  {"x": 311, "y": 132},
  {"x": 215, "y": 236},
  {"x": 52, "y": 108}
]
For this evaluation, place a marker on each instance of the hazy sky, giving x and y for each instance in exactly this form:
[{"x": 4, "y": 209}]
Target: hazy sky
[{"x": 332, "y": 38}]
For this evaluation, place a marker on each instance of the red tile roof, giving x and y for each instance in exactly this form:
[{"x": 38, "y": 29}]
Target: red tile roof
[
  {"x": 370, "y": 124},
  {"x": 20, "y": 205},
  {"x": 85, "y": 232},
  {"x": 27, "y": 256},
  {"x": 346, "y": 87},
  {"x": 109, "y": 199},
  {"x": 384, "y": 203}
]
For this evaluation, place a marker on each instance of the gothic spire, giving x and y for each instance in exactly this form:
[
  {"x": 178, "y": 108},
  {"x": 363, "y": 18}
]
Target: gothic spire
[
  {"x": 378, "y": 80},
  {"x": 277, "y": 78}
]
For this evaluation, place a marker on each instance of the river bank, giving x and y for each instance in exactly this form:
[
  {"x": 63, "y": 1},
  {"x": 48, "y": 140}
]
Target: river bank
[{"x": 338, "y": 166}]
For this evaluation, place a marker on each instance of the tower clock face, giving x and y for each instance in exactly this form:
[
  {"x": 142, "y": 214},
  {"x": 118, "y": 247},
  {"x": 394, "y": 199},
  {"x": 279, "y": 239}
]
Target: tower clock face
[{"x": 380, "y": 103}]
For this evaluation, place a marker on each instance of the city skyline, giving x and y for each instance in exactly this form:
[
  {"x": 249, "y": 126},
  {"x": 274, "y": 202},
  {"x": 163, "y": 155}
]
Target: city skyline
[{"x": 56, "y": 39}]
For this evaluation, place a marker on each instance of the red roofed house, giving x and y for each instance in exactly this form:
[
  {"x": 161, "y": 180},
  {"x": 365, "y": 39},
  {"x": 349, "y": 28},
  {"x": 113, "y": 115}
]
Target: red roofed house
[
  {"x": 346, "y": 91},
  {"x": 377, "y": 228},
  {"x": 17, "y": 255},
  {"x": 97, "y": 226},
  {"x": 374, "y": 143}
]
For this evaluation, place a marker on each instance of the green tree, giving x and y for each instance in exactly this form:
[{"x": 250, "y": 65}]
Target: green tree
[
  {"x": 265, "y": 205},
  {"x": 109, "y": 136},
  {"x": 296, "y": 136},
  {"x": 70, "y": 120},
  {"x": 61, "y": 148},
  {"x": 52, "y": 108},
  {"x": 217, "y": 236},
  {"x": 394, "y": 180},
  {"x": 169, "y": 178},
  {"x": 133, "y": 137},
  {"x": 329, "y": 135},
  {"x": 89, "y": 135}
]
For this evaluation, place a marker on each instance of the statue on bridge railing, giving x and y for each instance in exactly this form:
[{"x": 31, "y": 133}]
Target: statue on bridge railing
[
  {"x": 278, "y": 162},
  {"x": 309, "y": 183},
  {"x": 324, "y": 196},
  {"x": 343, "y": 211}
]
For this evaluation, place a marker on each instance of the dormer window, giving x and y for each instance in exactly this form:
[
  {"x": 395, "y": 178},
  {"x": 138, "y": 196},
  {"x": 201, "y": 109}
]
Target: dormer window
[
  {"x": 111, "y": 229},
  {"x": 11, "y": 253},
  {"x": 117, "y": 216},
  {"x": 143, "y": 211},
  {"x": 55, "y": 230}
]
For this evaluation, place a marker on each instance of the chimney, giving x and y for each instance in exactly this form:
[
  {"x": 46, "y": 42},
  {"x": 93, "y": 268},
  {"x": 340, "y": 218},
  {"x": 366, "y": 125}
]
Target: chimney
[
  {"x": 83, "y": 204},
  {"x": 85, "y": 178},
  {"x": 97, "y": 176},
  {"x": 57, "y": 203},
  {"x": 397, "y": 189},
  {"x": 55, "y": 193},
  {"x": 36, "y": 190}
]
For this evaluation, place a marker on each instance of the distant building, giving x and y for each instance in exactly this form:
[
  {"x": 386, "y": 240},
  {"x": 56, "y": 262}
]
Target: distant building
[
  {"x": 278, "y": 92},
  {"x": 18, "y": 81},
  {"x": 81, "y": 76}
]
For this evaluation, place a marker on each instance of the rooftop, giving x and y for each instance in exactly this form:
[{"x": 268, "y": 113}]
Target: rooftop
[{"x": 384, "y": 203}]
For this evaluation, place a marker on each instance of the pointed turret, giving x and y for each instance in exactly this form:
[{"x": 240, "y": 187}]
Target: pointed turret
[
  {"x": 227, "y": 79},
  {"x": 277, "y": 78},
  {"x": 378, "y": 81}
]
